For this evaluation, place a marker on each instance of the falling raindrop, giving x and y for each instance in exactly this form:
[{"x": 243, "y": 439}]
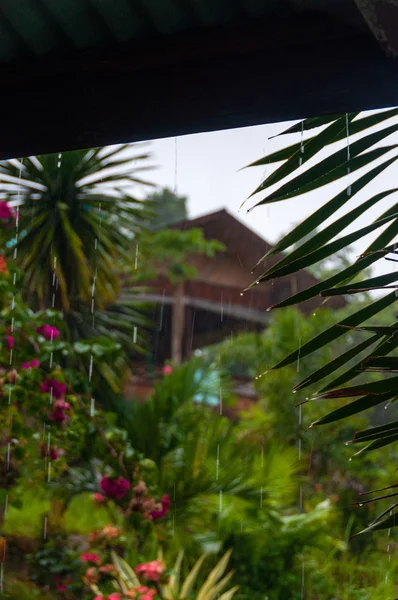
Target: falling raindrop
[
  {"x": 218, "y": 461},
  {"x": 92, "y": 407},
  {"x": 301, "y": 144},
  {"x": 90, "y": 370},
  {"x": 348, "y": 152}
]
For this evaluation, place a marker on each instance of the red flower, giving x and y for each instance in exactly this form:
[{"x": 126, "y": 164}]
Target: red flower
[
  {"x": 48, "y": 331},
  {"x": 90, "y": 557},
  {"x": 99, "y": 498},
  {"x": 114, "y": 487},
  {"x": 151, "y": 570},
  {"x": 115, "y": 596},
  {"x": 32, "y": 364},
  {"x": 61, "y": 584},
  {"x": 158, "y": 514},
  {"x": 3, "y": 265},
  {"x": 167, "y": 370},
  {"x": 10, "y": 341},
  {"x": 58, "y": 388},
  {"x": 60, "y": 410}
]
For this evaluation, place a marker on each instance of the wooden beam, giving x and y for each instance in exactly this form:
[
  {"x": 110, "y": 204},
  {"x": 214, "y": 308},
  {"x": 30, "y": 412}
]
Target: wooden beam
[{"x": 203, "y": 82}]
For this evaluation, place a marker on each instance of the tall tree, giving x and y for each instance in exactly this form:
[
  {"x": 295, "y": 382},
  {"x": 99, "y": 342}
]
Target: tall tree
[{"x": 168, "y": 208}]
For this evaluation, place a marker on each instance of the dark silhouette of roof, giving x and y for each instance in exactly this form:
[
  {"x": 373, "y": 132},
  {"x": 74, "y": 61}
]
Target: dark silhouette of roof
[{"x": 83, "y": 73}]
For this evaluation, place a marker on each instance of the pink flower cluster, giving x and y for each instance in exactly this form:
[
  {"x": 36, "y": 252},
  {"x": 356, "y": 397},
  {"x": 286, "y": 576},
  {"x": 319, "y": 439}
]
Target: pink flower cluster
[
  {"x": 6, "y": 212},
  {"x": 50, "y": 452},
  {"x": 32, "y": 364},
  {"x": 151, "y": 570},
  {"x": 162, "y": 512},
  {"x": 61, "y": 411},
  {"x": 10, "y": 341},
  {"x": 54, "y": 387},
  {"x": 48, "y": 332},
  {"x": 114, "y": 487},
  {"x": 90, "y": 557}
]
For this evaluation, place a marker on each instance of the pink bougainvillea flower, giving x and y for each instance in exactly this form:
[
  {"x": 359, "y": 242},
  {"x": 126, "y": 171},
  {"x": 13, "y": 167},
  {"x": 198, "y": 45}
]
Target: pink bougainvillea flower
[
  {"x": 6, "y": 212},
  {"x": 10, "y": 341},
  {"x": 58, "y": 388},
  {"x": 61, "y": 411},
  {"x": 60, "y": 584},
  {"x": 32, "y": 364},
  {"x": 115, "y": 596},
  {"x": 151, "y": 570},
  {"x": 49, "y": 332},
  {"x": 114, "y": 487},
  {"x": 108, "y": 569},
  {"x": 51, "y": 452},
  {"x": 167, "y": 370},
  {"x": 99, "y": 498},
  {"x": 90, "y": 557},
  {"x": 158, "y": 514},
  {"x": 99, "y": 598}
]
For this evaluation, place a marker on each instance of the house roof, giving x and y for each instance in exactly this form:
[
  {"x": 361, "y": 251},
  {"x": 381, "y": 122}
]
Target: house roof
[
  {"x": 243, "y": 248},
  {"x": 246, "y": 246},
  {"x": 80, "y": 73}
]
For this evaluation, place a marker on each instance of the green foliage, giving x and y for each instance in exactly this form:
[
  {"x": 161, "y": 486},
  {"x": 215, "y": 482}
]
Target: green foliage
[
  {"x": 168, "y": 208},
  {"x": 339, "y": 162},
  {"x": 212, "y": 587},
  {"x": 168, "y": 251}
]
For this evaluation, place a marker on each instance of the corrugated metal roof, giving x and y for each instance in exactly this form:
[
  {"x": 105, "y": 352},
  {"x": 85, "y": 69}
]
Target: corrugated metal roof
[{"x": 40, "y": 27}]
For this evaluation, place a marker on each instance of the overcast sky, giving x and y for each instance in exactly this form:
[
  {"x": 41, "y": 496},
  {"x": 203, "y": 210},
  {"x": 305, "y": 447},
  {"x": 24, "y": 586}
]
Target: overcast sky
[{"x": 207, "y": 170}]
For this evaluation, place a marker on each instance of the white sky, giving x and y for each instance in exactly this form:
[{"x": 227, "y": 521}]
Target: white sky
[{"x": 207, "y": 170}]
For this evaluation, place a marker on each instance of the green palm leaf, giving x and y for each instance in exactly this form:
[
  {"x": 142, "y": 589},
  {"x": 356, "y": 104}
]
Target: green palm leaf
[{"x": 340, "y": 161}]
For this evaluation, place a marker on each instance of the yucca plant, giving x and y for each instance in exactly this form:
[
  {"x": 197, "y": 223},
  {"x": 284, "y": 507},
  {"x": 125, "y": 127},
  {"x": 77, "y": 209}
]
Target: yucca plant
[
  {"x": 191, "y": 588},
  {"x": 353, "y": 141},
  {"x": 76, "y": 218}
]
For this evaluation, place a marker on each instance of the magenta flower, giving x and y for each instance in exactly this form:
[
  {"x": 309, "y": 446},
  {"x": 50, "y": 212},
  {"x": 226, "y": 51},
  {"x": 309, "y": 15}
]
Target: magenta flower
[
  {"x": 32, "y": 364},
  {"x": 10, "y": 341},
  {"x": 114, "y": 487},
  {"x": 58, "y": 388},
  {"x": 48, "y": 331},
  {"x": 51, "y": 452},
  {"x": 167, "y": 370},
  {"x": 158, "y": 514},
  {"x": 90, "y": 557},
  {"x": 60, "y": 411},
  {"x": 6, "y": 212}
]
